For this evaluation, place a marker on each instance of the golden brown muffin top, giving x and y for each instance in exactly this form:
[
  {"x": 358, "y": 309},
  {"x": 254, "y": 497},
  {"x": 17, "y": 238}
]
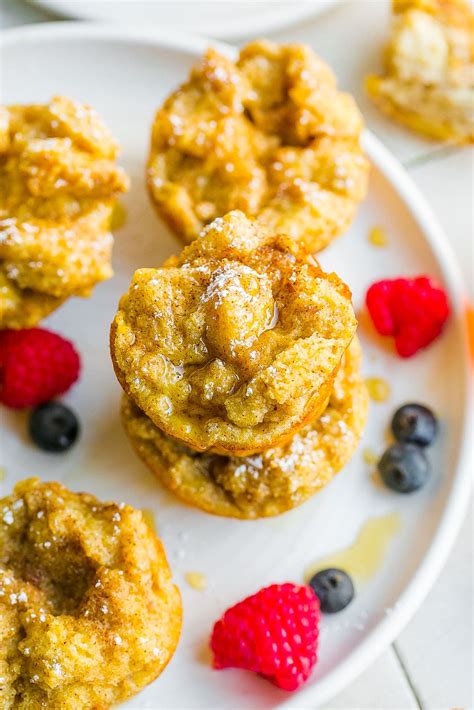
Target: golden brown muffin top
[
  {"x": 265, "y": 484},
  {"x": 58, "y": 184},
  {"x": 270, "y": 135},
  {"x": 88, "y": 612},
  {"x": 234, "y": 344}
]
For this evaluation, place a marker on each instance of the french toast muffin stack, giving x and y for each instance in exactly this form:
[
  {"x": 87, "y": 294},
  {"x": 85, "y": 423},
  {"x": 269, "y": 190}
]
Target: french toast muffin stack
[
  {"x": 238, "y": 360},
  {"x": 240, "y": 371}
]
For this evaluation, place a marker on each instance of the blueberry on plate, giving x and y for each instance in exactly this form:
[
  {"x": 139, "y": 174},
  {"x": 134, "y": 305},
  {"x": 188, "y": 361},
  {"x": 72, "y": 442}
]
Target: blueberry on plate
[
  {"x": 53, "y": 427},
  {"x": 334, "y": 589},
  {"x": 404, "y": 467},
  {"x": 414, "y": 424}
]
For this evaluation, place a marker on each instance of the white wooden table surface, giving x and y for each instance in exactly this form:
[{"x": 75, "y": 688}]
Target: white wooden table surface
[{"x": 431, "y": 663}]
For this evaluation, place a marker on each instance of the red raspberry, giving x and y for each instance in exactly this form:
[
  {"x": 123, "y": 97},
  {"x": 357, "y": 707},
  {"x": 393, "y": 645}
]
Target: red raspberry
[
  {"x": 273, "y": 632},
  {"x": 35, "y": 366},
  {"x": 414, "y": 311}
]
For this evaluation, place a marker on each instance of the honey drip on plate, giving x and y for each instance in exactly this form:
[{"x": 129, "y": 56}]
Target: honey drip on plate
[
  {"x": 378, "y": 389},
  {"x": 378, "y": 237},
  {"x": 119, "y": 217},
  {"x": 149, "y": 518},
  {"x": 363, "y": 558},
  {"x": 196, "y": 580},
  {"x": 370, "y": 456},
  {"x": 3, "y": 473}
]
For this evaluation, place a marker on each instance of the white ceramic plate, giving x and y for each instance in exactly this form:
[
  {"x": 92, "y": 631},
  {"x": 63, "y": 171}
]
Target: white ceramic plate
[
  {"x": 125, "y": 75},
  {"x": 213, "y": 18}
]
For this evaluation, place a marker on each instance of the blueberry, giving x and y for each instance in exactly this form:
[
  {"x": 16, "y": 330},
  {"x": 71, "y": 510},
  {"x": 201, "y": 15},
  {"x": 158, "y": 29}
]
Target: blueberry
[
  {"x": 53, "y": 427},
  {"x": 404, "y": 467},
  {"x": 334, "y": 589},
  {"x": 414, "y": 424}
]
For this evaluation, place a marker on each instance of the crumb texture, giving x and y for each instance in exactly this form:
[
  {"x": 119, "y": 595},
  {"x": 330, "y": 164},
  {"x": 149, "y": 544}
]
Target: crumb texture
[
  {"x": 88, "y": 612},
  {"x": 233, "y": 345},
  {"x": 428, "y": 83},
  {"x": 269, "y": 134},
  {"x": 58, "y": 188},
  {"x": 268, "y": 483}
]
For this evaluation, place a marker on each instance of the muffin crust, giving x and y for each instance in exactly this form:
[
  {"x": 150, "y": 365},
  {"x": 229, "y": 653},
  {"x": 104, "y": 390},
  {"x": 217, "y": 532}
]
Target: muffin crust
[
  {"x": 270, "y": 135},
  {"x": 234, "y": 345},
  {"x": 268, "y": 483},
  {"x": 88, "y": 612},
  {"x": 58, "y": 188}
]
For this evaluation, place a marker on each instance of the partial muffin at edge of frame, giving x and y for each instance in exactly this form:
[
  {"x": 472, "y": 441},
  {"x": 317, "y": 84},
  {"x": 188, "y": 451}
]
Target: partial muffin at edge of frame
[
  {"x": 269, "y": 483},
  {"x": 234, "y": 345},
  {"x": 268, "y": 134},
  {"x": 428, "y": 79},
  {"x": 58, "y": 189},
  {"x": 88, "y": 612}
]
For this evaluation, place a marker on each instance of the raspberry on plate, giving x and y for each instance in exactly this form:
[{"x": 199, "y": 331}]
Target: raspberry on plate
[
  {"x": 413, "y": 311},
  {"x": 273, "y": 632},
  {"x": 36, "y": 365}
]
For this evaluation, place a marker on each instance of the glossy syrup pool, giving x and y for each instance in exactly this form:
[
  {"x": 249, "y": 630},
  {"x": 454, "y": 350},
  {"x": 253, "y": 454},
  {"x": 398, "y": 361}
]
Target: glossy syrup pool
[
  {"x": 119, "y": 216},
  {"x": 149, "y": 518},
  {"x": 196, "y": 580},
  {"x": 362, "y": 559},
  {"x": 378, "y": 388},
  {"x": 378, "y": 237}
]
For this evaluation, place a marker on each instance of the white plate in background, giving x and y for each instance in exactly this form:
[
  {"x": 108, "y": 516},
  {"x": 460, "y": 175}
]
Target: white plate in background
[
  {"x": 213, "y": 18},
  {"x": 125, "y": 74}
]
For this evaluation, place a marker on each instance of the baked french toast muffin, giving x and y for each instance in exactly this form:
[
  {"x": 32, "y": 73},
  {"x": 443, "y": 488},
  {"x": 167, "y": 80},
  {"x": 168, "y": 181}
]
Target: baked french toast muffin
[
  {"x": 268, "y": 134},
  {"x": 58, "y": 188},
  {"x": 268, "y": 483},
  {"x": 233, "y": 345},
  {"x": 88, "y": 612},
  {"x": 428, "y": 82}
]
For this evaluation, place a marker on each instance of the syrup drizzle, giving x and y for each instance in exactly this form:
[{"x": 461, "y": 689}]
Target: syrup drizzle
[{"x": 363, "y": 558}]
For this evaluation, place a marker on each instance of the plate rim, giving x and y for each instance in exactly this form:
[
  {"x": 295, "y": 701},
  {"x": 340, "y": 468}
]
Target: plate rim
[
  {"x": 279, "y": 19},
  {"x": 452, "y": 516}
]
